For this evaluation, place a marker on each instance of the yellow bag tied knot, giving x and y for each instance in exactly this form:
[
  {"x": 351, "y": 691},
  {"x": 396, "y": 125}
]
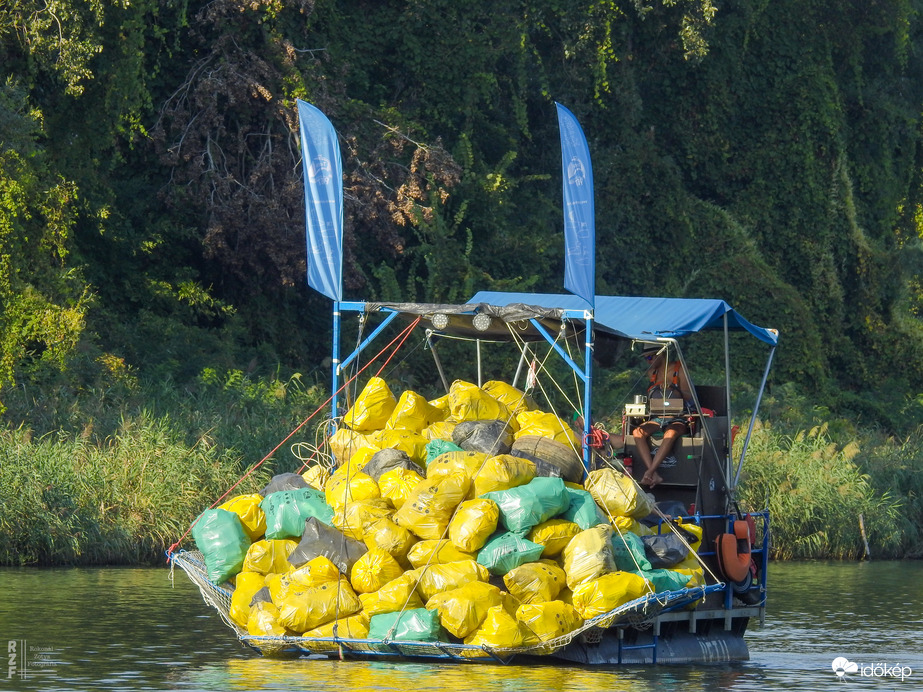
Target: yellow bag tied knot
[
  {"x": 269, "y": 556},
  {"x": 373, "y": 407},
  {"x": 373, "y": 570},
  {"x": 397, "y": 484}
]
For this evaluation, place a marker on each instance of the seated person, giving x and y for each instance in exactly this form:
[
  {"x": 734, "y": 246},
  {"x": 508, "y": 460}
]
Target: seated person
[{"x": 659, "y": 372}]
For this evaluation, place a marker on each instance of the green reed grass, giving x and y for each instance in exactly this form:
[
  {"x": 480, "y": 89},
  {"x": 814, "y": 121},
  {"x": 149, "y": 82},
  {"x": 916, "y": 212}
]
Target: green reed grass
[
  {"x": 816, "y": 491},
  {"x": 119, "y": 484}
]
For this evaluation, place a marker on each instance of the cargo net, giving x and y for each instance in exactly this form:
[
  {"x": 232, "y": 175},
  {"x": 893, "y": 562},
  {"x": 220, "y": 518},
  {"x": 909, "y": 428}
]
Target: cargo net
[
  {"x": 637, "y": 613},
  {"x": 358, "y": 494}
]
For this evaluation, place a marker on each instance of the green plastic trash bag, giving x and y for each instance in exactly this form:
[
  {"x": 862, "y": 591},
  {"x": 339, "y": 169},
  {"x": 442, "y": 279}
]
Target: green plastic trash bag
[
  {"x": 435, "y": 448},
  {"x": 527, "y": 505},
  {"x": 220, "y": 537},
  {"x": 287, "y": 510},
  {"x": 417, "y": 625},
  {"x": 583, "y": 510},
  {"x": 506, "y": 551},
  {"x": 628, "y": 551},
  {"x": 664, "y": 579}
]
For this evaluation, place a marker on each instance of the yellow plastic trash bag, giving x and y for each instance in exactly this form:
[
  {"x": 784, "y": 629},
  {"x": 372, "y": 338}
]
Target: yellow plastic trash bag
[
  {"x": 347, "y": 488},
  {"x": 247, "y": 508},
  {"x": 514, "y": 399},
  {"x": 545, "y": 425},
  {"x": 473, "y": 524},
  {"x": 466, "y": 464},
  {"x": 315, "y": 572},
  {"x": 441, "y": 430},
  {"x": 609, "y": 591},
  {"x": 462, "y": 610},
  {"x": 438, "y": 578},
  {"x": 500, "y": 630},
  {"x": 501, "y": 472},
  {"x": 632, "y": 525},
  {"x": 345, "y": 442},
  {"x": 619, "y": 494},
  {"x": 393, "y": 539},
  {"x": 399, "y": 594},
  {"x": 353, "y": 627},
  {"x": 554, "y": 534},
  {"x": 429, "y": 508},
  {"x": 549, "y": 620},
  {"x": 397, "y": 484},
  {"x": 316, "y": 476},
  {"x": 268, "y": 556},
  {"x": 373, "y": 570},
  {"x": 373, "y": 407},
  {"x": 304, "y": 609},
  {"x": 246, "y": 584},
  {"x": 467, "y": 401},
  {"x": 412, "y": 412},
  {"x": 589, "y": 555},
  {"x": 535, "y": 582},
  {"x": 411, "y": 443},
  {"x": 263, "y": 621},
  {"x": 354, "y": 517},
  {"x": 361, "y": 456},
  {"x": 436, "y": 552},
  {"x": 695, "y": 530}
]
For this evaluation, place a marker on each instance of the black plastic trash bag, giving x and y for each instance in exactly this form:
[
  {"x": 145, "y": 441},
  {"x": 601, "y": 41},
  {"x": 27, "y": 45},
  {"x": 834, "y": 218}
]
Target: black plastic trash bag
[
  {"x": 386, "y": 460},
  {"x": 491, "y": 437},
  {"x": 664, "y": 550},
  {"x": 284, "y": 481},
  {"x": 320, "y": 539}
]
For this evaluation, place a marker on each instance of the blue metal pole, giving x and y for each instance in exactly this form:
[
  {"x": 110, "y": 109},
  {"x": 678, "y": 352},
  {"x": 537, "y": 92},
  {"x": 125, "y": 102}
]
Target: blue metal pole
[
  {"x": 335, "y": 360},
  {"x": 587, "y": 392}
]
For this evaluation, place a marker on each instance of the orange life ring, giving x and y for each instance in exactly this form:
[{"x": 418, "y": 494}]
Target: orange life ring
[{"x": 733, "y": 551}]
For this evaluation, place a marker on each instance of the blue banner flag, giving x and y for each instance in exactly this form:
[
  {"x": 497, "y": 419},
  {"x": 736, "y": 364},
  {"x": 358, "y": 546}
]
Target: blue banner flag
[
  {"x": 323, "y": 201},
  {"x": 579, "y": 213}
]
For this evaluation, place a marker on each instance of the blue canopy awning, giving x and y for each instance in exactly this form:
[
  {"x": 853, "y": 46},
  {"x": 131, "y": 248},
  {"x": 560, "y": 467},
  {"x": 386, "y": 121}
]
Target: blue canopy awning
[{"x": 639, "y": 317}]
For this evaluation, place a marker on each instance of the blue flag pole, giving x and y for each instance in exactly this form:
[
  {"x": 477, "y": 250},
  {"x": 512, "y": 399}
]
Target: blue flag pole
[
  {"x": 579, "y": 243},
  {"x": 323, "y": 202}
]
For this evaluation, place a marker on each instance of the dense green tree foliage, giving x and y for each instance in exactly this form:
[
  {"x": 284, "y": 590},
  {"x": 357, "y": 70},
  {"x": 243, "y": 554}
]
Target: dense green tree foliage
[{"x": 768, "y": 153}]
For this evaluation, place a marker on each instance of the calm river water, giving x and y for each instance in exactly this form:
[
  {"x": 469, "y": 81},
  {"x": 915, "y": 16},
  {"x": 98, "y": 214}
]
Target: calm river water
[{"x": 130, "y": 629}]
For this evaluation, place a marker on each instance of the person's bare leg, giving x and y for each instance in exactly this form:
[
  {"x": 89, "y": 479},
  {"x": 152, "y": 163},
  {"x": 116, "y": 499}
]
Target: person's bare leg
[
  {"x": 641, "y": 435},
  {"x": 670, "y": 434}
]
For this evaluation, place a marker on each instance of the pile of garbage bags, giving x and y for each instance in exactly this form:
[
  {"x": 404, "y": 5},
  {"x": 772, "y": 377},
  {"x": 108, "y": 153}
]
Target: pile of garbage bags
[{"x": 433, "y": 528}]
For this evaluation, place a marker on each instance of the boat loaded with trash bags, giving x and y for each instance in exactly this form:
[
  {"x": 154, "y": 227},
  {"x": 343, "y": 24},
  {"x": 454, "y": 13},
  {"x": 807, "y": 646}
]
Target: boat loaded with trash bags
[
  {"x": 483, "y": 526},
  {"x": 500, "y": 520}
]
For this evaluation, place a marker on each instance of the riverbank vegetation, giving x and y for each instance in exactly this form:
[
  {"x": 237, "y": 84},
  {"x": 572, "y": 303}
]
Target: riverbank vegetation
[
  {"x": 120, "y": 484},
  {"x": 152, "y": 258}
]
